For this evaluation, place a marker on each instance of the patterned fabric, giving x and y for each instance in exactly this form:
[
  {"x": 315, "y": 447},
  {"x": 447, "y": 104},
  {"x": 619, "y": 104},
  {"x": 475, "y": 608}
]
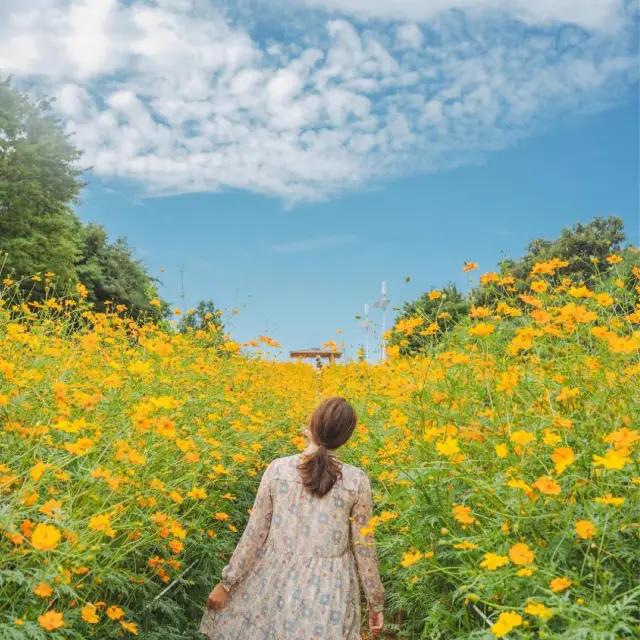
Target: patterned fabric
[{"x": 294, "y": 574}]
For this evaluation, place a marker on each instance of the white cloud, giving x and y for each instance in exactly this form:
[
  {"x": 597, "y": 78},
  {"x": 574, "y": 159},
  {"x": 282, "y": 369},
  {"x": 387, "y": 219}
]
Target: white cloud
[
  {"x": 180, "y": 96},
  {"x": 314, "y": 244},
  {"x": 409, "y": 36},
  {"x": 591, "y": 14}
]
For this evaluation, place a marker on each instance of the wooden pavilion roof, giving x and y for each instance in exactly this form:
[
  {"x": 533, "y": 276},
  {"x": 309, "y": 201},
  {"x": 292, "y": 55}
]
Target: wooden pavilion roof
[{"x": 315, "y": 353}]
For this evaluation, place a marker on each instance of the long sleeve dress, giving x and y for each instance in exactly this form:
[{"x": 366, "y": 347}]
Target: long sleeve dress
[{"x": 294, "y": 574}]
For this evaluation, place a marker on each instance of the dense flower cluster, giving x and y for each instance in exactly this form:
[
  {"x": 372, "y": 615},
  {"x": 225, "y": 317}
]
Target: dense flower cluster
[{"x": 504, "y": 461}]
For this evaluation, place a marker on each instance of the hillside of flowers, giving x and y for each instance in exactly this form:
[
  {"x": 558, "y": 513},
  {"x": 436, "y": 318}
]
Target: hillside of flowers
[{"x": 504, "y": 461}]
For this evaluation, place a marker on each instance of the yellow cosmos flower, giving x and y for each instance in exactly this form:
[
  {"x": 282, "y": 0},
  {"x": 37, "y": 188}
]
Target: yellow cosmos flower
[
  {"x": 102, "y": 523},
  {"x": 89, "y": 614},
  {"x": 493, "y": 561},
  {"x": 610, "y": 499},
  {"x": 501, "y": 450},
  {"x": 45, "y": 537},
  {"x": 448, "y": 448},
  {"x": 539, "y": 610},
  {"x": 522, "y": 437},
  {"x": 585, "y": 529},
  {"x": 466, "y": 545},
  {"x": 43, "y": 590},
  {"x": 410, "y": 558},
  {"x": 51, "y": 620},
  {"x": 563, "y": 457},
  {"x": 463, "y": 514},
  {"x": 612, "y": 460},
  {"x": 521, "y": 554},
  {"x": 560, "y": 584},
  {"x": 506, "y": 623}
]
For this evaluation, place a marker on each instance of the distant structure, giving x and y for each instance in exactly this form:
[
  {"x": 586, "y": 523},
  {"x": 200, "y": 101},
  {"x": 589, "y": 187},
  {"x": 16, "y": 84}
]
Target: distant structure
[{"x": 316, "y": 354}]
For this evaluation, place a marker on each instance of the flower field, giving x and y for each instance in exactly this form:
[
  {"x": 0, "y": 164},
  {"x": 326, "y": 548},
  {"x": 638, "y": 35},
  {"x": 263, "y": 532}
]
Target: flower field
[{"x": 504, "y": 463}]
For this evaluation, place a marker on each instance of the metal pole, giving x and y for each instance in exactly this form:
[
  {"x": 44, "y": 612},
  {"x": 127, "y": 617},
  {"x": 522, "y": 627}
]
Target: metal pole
[
  {"x": 384, "y": 321},
  {"x": 366, "y": 338}
]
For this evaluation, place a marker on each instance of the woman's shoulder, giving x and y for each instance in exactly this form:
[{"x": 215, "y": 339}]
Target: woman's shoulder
[
  {"x": 352, "y": 476},
  {"x": 284, "y": 466}
]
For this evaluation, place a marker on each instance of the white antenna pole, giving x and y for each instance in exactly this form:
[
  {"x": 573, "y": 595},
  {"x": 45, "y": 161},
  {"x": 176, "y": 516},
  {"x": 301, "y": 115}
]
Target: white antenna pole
[
  {"x": 365, "y": 324},
  {"x": 383, "y": 304},
  {"x": 366, "y": 335},
  {"x": 383, "y": 354}
]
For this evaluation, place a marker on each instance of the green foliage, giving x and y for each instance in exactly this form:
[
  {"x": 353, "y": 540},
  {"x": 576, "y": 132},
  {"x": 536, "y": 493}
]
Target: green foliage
[
  {"x": 445, "y": 308},
  {"x": 202, "y": 318},
  {"x": 584, "y": 249},
  {"x": 39, "y": 179},
  {"x": 205, "y": 322},
  {"x": 39, "y": 230},
  {"x": 113, "y": 276}
]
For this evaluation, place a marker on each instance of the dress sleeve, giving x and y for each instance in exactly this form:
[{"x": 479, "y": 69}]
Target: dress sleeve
[
  {"x": 254, "y": 537},
  {"x": 364, "y": 547}
]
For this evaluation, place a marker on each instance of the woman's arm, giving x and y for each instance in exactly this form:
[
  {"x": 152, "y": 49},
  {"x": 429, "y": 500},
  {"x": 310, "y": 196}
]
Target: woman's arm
[
  {"x": 364, "y": 547},
  {"x": 254, "y": 537}
]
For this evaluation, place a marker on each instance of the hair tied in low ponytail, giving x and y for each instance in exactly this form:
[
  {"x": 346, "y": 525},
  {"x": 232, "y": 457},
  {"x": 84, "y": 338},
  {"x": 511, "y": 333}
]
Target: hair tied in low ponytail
[{"x": 330, "y": 426}]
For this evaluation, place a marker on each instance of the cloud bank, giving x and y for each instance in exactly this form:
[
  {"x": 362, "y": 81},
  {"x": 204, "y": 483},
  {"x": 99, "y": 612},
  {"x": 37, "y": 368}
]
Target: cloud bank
[{"x": 183, "y": 96}]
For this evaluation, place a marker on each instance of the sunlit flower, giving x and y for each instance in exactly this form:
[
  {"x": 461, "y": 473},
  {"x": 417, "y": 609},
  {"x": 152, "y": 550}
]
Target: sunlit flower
[
  {"x": 560, "y": 584},
  {"x": 585, "y": 529},
  {"x": 520, "y": 554},
  {"x": 493, "y": 561},
  {"x": 507, "y": 621},
  {"x": 51, "y": 620},
  {"x": 45, "y": 537}
]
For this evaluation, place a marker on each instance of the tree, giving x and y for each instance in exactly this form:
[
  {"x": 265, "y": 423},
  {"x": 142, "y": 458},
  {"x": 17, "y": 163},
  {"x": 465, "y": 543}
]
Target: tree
[
  {"x": 112, "y": 275},
  {"x": 39, "y": 181},
  {"x": 433, "y": 313},
  {"x": 585, "y": 249},
  {"x": 204, "y": 320},
  {"x": 39, "y": 184}
]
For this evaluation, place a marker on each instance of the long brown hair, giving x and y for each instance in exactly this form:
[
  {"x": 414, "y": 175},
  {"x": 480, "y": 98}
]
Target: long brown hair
[{"x": 330, "y": 426}]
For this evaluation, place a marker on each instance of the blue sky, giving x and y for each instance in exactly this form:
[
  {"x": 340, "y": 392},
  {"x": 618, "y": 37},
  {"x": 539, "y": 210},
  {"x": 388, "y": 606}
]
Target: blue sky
[
  {"x": 231, "y": 245},
  {"x": 290, "y": 155}
]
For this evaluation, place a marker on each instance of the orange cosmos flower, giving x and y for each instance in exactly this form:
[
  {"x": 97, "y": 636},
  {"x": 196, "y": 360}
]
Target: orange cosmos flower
[
  {"x": 131, "y": 627},
  {"x": 115, "y": 613},
  {"x": 51, "y": 620},
  {"x": 45, "y": 537},
  {"x": 89, "y": 614},
  {"x": 560, "y": 584},
  {"x": 521, "y": 554},
  {"x": 43, "y": 590},
  {"x": 548, "y": 486},
  {"x": 585, "y": 529}
]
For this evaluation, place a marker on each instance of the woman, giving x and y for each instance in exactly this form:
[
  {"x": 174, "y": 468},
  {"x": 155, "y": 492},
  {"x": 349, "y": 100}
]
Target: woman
[{"x": 294, "y": 574}]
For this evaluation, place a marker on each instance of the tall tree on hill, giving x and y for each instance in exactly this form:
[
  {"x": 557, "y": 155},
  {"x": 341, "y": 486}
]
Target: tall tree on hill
[
  {"x": 113, "y": 275},
  {"x": 436, "y": 311},
  {"x": 39, "y": 181},
  {"x": 39, "y": 185},
  {"x": 205, "y": 322},
  {"x": 584, "y": 247}
]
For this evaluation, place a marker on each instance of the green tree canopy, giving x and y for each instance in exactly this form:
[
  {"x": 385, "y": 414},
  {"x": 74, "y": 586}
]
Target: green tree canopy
[
  {"x": 206, "y": 320},
  {"x": 112, "y": 274},
  {"x": 585, "y": 248},
  {"x": 39, "y": 181},
  {"x": 437, "y": 311}
]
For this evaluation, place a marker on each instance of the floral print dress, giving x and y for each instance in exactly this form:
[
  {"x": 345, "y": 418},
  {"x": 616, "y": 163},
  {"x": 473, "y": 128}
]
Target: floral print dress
[{"x": 294, "y": 574}]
